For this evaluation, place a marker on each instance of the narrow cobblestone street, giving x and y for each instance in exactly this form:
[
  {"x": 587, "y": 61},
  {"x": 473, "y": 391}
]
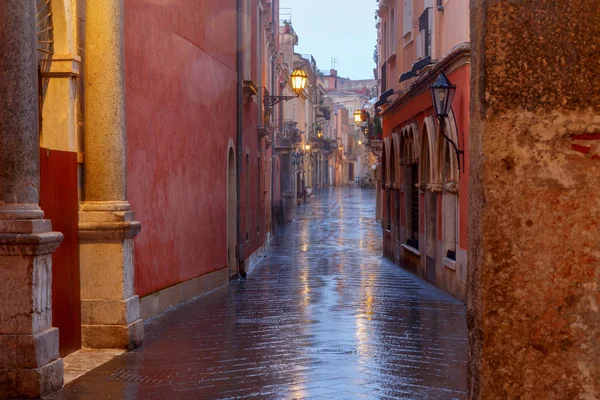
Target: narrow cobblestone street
[{"x": 323, "y": 315}]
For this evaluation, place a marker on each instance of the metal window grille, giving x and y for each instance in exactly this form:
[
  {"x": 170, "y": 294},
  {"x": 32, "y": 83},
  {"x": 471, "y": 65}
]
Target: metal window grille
[
  {"x": 45, "y": 46},
  {"x": 45, "y": 36}
]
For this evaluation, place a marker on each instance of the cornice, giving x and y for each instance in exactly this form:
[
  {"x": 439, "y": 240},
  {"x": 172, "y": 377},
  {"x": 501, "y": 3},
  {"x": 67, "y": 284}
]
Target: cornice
[{"x": 457, "y": 58}]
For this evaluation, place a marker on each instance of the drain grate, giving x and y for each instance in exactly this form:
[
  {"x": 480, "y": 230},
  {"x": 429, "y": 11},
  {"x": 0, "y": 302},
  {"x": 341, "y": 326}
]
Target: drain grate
[
  {"x": 332, "y": 350},
  {"x": 139, "y": 376},
  {"x": 261, "y": 321}
]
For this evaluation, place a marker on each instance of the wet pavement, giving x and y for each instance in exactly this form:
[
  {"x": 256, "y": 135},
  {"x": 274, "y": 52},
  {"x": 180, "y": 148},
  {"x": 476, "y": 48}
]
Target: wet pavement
[{"x": 324, "y": 315}]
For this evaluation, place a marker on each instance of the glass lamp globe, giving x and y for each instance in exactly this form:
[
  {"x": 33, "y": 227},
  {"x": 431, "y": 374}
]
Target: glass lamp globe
[{"x": 299, "y": 78}]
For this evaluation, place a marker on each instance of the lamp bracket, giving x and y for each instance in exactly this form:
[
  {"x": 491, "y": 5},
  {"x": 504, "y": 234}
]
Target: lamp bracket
[{"x": 272, "y": 100}]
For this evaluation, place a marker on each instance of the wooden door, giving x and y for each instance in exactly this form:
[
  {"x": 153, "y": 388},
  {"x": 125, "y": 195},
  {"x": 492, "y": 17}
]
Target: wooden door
[{"x": 59, "y": 200}]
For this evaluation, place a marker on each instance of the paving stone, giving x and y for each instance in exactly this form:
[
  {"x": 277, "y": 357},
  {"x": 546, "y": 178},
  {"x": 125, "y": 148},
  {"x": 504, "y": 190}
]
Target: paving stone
[{"x": 324, "y": 315}]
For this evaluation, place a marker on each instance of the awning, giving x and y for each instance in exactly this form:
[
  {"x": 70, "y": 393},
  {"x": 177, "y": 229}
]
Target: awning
[
  {"x": 383, "y": 97},
  {"x": 415, "y": 67}
]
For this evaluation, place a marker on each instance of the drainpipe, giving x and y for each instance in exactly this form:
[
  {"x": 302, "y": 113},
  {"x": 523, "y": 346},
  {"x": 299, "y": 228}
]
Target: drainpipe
[
  {"x": 273, "y": 138},
  {"x": 273, "y": 135},
  {"x": 239, "y": 102}
]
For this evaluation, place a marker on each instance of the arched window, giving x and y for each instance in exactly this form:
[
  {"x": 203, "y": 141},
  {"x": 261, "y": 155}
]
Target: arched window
[
  {"x": 449, "y": 172},
  {"x": 387, "y": 168},
  {"x": 411, "y": 180}
]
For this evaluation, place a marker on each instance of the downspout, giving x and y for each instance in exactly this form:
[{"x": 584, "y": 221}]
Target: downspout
[
  {"x": 239, "y": 103},
  {"x": 273, "y": 134}
]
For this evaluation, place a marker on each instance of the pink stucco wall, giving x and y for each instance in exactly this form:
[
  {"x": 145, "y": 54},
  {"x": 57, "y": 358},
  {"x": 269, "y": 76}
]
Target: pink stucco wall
[{"x": 181, "y": 113}]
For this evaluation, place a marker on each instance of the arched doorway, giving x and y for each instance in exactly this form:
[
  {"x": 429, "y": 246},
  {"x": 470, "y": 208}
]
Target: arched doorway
[
  {"x": 428, "y": 183},
  {"x": 231, "y": 213}
]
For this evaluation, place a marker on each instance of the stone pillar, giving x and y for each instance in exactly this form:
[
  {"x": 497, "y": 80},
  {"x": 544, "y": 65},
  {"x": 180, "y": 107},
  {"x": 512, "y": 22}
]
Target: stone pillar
[
  {"x": 110, "y": 309},
  {"x": 29, "y": 359},
  {"x": 534, "y": 200}
]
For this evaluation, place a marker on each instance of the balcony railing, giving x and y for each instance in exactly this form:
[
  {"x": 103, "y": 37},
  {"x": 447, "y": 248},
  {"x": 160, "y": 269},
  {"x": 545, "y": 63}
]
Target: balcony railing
[{"x": 289, "y": 136}]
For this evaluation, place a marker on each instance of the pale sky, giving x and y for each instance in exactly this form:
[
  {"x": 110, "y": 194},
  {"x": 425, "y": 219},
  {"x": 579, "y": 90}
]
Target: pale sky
[{"x": 342, "y": 29}]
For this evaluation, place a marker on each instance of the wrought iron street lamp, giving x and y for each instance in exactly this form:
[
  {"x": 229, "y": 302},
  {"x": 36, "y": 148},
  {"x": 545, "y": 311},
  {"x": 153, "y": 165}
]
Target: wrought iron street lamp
[
  {"x": 307, "y": 147},
  {"x": 358, "y": 117},
  {"x": 299, "y": 79},
  {"x": 442, "y": 94}
]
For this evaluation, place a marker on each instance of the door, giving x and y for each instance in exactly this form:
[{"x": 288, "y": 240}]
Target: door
[
  {"x": 231, "y": 215},
  {"x": 60, "y": 203},
  {"x": 431, "y": 231}
]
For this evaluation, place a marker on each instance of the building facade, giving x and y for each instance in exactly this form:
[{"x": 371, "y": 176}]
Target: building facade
[
  {"x": 423, "y": 190},
  {"x": 130, "y": 182}
]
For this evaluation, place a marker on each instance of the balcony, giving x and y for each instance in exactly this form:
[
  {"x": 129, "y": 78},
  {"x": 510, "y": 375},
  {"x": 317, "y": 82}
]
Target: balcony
[{"x": 289, "y": 136}]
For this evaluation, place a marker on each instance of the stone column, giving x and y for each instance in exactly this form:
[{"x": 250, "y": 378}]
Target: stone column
[
  {"x": 29, "y": 359},
  {"x": 110, "y": 309},
  {"x": 534, "y": 200}
]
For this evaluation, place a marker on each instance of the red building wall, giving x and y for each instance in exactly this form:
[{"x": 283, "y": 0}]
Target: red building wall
[
  {"x": 414, "y": 110},
  {"x": 179, "y": 124},
  {"x": 253, "y": 207},
  {"x": 421, "y": 107}
]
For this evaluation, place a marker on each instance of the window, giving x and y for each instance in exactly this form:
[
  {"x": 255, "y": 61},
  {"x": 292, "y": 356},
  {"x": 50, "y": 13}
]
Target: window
[
  {"x": 413, "y": 205},
  {"x": 258, "y": 194},
  {"x": 392, "y": 48},
  {"x": 385, "y": 40},
  {"x": 424, "y": 36},
  {"x": 388, "y": 210},
  {"x": 260, "y": 40},
  {"x": 383, "y": 79},
  {"x": 247, "y": 70},
  {"x": 408, "y": 16},
  {"x": 449, "y": 209},
  {"x": 247, "y": 210}
]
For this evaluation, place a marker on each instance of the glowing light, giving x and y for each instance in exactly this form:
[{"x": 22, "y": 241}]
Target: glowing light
[
  {"x": 299, "y": 78},
  {"x": 358, "y": 117}
]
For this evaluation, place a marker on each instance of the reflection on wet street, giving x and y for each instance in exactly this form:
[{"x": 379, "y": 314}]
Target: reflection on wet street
[{"x": 324, "y": 315}]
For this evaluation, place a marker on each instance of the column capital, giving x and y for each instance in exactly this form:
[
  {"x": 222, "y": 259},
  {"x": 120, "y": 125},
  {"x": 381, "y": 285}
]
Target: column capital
[
  {"x": 110, "y": 220},
  {"x": 104, "y": 206},
  {"x": 33, "y": 244}
]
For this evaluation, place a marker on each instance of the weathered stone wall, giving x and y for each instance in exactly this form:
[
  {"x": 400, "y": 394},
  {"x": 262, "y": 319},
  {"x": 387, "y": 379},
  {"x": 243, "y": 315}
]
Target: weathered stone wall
[{"x": 534, "y": 202}]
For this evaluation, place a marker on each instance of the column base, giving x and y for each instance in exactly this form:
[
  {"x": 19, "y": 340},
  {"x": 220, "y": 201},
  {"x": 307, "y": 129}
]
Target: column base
[
  {"x": 113, "y": 336},
  {"x": 31, "y": 383},
  {"x": 112, "y": 324},
  {"x": 30, "y": 364},
  {"x": 110, "y": 312}
]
